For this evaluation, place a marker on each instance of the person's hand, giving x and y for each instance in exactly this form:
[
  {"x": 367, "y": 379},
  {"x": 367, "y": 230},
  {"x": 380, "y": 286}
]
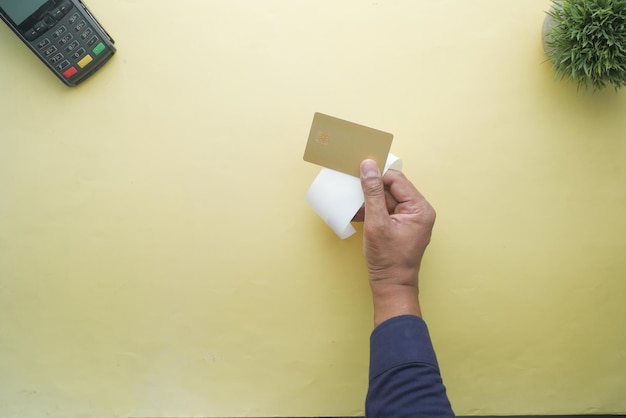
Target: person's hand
[{"x": 398, "y": 222}]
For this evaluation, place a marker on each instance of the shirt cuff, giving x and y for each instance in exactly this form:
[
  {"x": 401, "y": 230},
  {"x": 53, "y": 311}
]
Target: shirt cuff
[{"x": 398, "y": 341}]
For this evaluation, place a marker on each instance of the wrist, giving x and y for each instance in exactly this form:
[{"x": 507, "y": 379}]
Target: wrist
[
  {"x": 391, "y": 300},
  {"x": 398, "y": 275}
]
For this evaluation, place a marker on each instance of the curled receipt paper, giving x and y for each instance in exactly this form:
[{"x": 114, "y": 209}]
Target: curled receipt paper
[{"x": 336, "y": 197}]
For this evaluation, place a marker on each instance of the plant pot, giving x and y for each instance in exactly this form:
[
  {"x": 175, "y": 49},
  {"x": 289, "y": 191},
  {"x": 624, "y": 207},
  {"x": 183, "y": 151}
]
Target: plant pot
[{"x": 548, "y": 23}]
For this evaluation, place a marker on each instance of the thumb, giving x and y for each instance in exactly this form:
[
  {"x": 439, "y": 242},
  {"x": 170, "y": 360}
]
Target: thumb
[{"x": 373, "y": 191}]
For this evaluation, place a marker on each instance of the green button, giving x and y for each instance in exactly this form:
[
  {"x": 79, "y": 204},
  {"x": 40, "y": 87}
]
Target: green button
[{"x": 99, "y": 48}]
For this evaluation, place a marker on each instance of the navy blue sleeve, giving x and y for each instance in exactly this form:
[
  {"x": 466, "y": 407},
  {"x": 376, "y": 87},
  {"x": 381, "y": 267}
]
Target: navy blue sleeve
[{"x": 404, "y": 378}]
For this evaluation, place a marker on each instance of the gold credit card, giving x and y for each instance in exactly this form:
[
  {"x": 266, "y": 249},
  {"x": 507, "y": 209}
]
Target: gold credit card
[{"x": 341, "y": 145}]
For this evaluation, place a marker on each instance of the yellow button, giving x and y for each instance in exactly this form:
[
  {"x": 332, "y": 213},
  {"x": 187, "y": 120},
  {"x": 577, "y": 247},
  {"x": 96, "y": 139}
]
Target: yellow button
[{"x": 85, "y": 61}]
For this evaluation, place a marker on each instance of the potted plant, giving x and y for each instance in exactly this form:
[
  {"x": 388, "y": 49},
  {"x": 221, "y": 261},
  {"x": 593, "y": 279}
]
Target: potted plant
[{"x": 586, "y": 41}]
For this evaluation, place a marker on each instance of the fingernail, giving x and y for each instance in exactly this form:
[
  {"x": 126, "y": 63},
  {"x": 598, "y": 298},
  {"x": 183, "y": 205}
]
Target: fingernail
[{"x": 369, "y": 169}]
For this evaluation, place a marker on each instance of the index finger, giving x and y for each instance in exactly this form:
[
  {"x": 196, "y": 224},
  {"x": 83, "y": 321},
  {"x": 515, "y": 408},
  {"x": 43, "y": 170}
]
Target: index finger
[{"x": 400, "y": 187}]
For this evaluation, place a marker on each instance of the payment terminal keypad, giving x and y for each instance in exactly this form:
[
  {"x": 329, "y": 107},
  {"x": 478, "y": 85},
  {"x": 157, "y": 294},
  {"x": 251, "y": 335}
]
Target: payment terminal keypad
[{"x": 67, "y": 40}]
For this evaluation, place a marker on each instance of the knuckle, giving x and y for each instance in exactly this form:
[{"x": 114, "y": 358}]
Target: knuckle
[
  {"x": 431, "y": 213},
  {"x": 374, "y": 187}
]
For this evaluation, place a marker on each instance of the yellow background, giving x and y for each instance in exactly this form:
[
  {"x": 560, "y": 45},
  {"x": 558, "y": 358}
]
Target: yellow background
[{"x": 157, "y": 257}]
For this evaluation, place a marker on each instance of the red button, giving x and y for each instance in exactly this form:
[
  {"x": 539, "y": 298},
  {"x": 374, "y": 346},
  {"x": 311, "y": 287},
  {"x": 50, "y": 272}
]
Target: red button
[{"x": 70, "y": 72}]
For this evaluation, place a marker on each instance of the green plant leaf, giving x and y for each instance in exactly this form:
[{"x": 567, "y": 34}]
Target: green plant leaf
[{"x": 587, "y": 42}]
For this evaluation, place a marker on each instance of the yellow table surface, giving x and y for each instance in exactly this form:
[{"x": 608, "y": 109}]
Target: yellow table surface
[{"x": 157, "y": 257}]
